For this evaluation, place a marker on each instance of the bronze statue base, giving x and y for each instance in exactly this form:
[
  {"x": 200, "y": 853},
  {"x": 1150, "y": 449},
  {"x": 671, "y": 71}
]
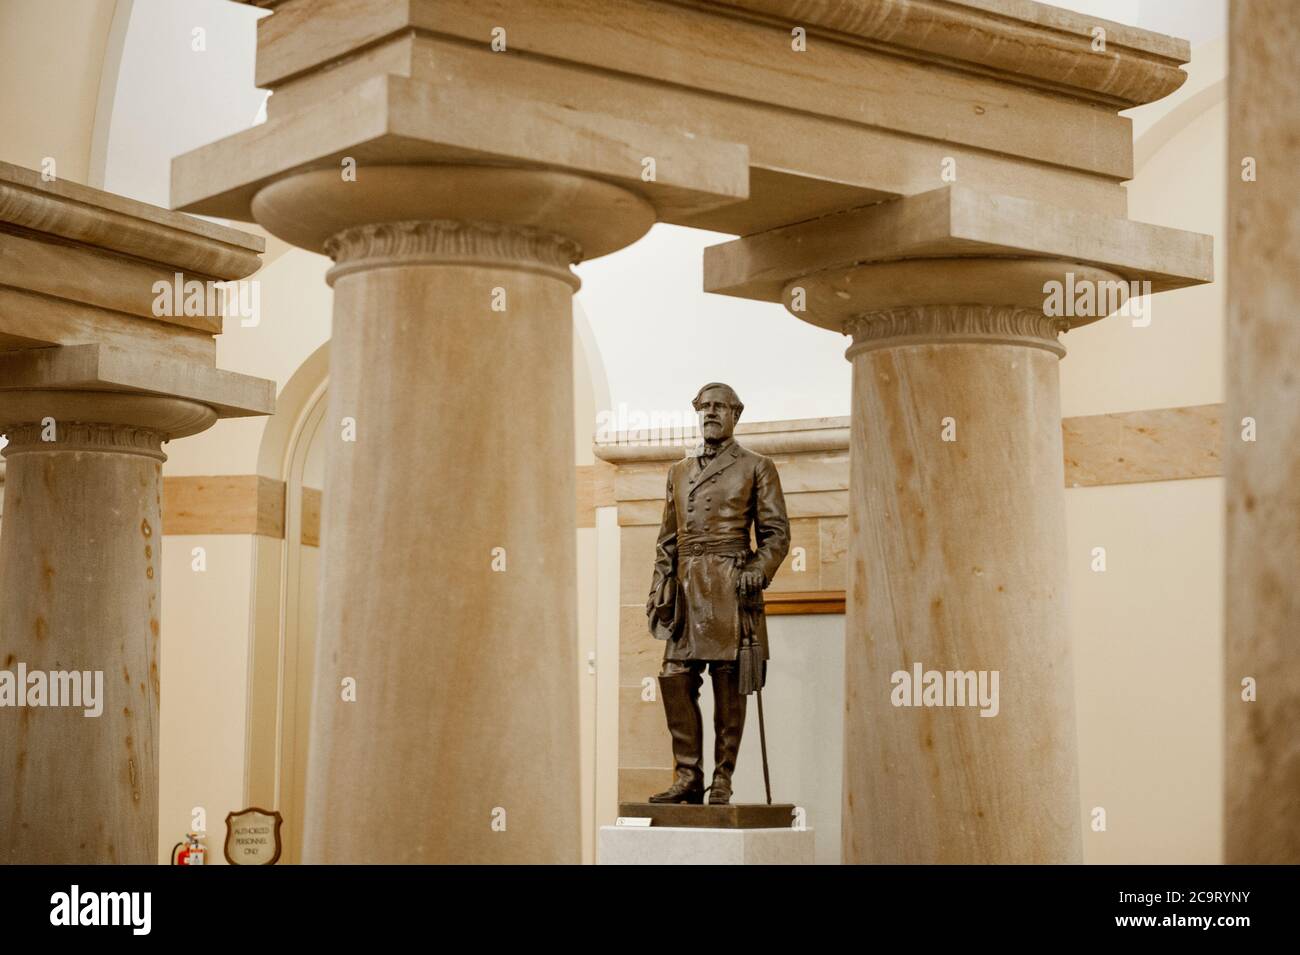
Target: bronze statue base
[{"x": 734, "y": 816}]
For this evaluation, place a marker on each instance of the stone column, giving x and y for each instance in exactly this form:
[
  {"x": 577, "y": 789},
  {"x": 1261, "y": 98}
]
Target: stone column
[
  {"x": 1262, "y": 442},
  {"x": 101, "y": 362},
  {"x": 80, "y": 562},
  {"x": 448, "y": 580},
  {"x": 448, "y": 583},
  {"x": 956, "y": 502},
  {"x": 958, "y": 563}
]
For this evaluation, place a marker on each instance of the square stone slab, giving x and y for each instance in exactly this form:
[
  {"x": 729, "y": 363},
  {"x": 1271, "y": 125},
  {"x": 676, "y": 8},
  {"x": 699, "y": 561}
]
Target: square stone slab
[
  {"x": 652, "y": 845},
  {"x": 735, "y": 816}
]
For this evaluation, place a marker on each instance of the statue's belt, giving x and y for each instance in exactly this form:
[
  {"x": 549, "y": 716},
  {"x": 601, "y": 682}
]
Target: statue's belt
[{"x": 696, "y": 545}]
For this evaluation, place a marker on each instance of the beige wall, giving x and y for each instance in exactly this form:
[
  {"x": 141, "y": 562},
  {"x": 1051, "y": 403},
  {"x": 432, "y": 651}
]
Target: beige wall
[
  {"x": 204, "y": 678},
  {"x": 49, "y": 90},
  {"x": 1147, "y": 643},
  {"x": 607, "y": 672}
]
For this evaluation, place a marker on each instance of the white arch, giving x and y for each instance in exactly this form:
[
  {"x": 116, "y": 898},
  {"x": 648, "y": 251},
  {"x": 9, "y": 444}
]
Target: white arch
[{"x": 108, "y": 74}]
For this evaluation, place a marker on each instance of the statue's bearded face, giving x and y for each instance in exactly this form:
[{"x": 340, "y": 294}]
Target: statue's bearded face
[{"x": 717, "y": 415}]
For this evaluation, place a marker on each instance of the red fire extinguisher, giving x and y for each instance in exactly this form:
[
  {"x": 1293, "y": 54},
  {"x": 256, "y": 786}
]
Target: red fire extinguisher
[{"x": 192, "y": 852}]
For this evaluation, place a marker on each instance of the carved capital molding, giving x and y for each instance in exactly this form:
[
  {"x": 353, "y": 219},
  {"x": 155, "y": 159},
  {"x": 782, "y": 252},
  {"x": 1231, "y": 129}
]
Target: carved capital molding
[
  {"x": 82, "y": 436},
  {"x": 450, "y": 242},
  {"x": 945, "y": 324}
]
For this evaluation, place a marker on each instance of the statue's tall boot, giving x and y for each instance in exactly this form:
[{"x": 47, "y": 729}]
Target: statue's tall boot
[
  {"x": 728, "y": 725},
  {"x": 681, "y": 696}
]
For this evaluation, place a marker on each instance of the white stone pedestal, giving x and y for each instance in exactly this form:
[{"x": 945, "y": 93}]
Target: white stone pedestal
[{"x": 663, "y": 845}]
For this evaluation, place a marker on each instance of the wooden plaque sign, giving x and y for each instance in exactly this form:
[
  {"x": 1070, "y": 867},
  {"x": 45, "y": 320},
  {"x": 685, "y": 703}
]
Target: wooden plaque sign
[{"x": 253, "y": 837}]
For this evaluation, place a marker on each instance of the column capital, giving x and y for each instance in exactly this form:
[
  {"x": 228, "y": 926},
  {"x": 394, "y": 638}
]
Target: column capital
[
  {"x": 39, "y": 419},
  {"x": 948, "y": 324},
  {"x": 105, "y": 385},
  {"x": 395, "y": 148},
  {"x": 129, "y": 295},
  {"x": 954, "y": 246},
  {"x": 78, "y": 436},
  {"x": 540, "y": 219},
  {"x": 448, "y": 241}
]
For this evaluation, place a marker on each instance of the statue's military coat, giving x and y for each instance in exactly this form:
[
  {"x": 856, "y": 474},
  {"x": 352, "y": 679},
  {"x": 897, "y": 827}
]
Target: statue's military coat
[{"x": 704, "y": 545}]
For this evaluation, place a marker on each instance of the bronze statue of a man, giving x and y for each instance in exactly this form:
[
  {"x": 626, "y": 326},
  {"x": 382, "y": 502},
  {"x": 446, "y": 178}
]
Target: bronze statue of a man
[{"x": 706, "y": 599}]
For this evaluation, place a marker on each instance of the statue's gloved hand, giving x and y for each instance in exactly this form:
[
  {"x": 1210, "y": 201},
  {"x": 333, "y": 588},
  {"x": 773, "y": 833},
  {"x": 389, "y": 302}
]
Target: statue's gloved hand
[{"x": 751, "y": 583}]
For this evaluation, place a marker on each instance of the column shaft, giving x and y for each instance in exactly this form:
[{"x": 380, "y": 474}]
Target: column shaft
[
  {"x": 80, "y": 562},
  {"x": 957, "y": 563},
  {"x": 1262, "y": 444},
  {"x": 462, "y": 743}
]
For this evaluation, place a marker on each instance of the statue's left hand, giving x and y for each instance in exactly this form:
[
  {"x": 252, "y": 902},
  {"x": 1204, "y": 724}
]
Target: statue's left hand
[{"x": 751, "y": 582}]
